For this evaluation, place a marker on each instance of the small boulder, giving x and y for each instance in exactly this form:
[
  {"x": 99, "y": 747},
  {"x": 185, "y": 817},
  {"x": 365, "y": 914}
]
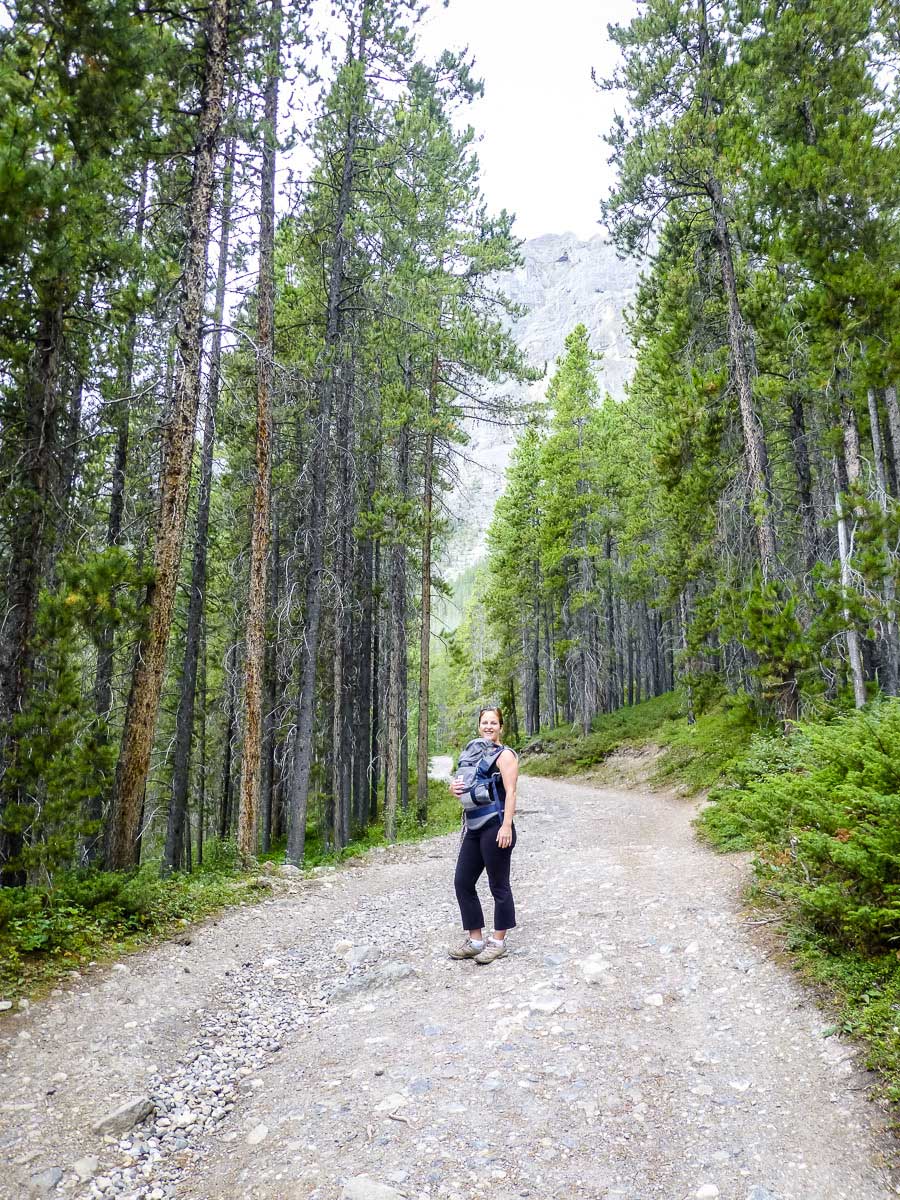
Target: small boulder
[
  {"x": 86, "y": 1168},
  {"x": 45, "y": 1182},
  {"x": 125, "y": 1117},
  {"x": 289, "y": 871},
  {"x": 357, "y": 955},
  {"x": 593, "y": 968}
]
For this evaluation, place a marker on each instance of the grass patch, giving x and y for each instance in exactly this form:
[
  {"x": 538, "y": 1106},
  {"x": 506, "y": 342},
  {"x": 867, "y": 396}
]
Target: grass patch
[
  {"x": 694, "y": 756},
  {"x": 699, "y": 756},
  {"x": 566, "y": 751}
]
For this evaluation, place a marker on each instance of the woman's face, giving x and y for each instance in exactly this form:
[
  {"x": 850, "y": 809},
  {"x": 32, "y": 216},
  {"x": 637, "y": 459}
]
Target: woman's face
[{"x": 489, "y": 725}]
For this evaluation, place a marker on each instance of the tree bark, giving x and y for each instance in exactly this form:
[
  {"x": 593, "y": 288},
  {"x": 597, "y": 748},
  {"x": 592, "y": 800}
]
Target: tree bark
[
  {"x": 891, "y": 646},
  {"x": 425, "y": 638},
  {"x": 30, "y": 540},
  {"x": 255, "y": 629},
  {"x": 377, "y": 676},
  {"x": 893, "y": 415},
  {"x": 178, "y": 444},
  {"x": 230, "y": 722},
  {"x": 397, "y": 656},
  {"x": 755, "y": 450},
  {"x": 184, "y": 722}
]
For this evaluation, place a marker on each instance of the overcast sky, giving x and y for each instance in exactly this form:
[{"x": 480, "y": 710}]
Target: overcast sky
[{"x": 542, "y": 119}]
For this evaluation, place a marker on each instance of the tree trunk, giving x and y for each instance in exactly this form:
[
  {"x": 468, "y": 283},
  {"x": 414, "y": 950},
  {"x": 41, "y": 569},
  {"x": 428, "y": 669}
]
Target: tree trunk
[
  {"x": 178, "y": 445},
  {"x": 363, "y": 634},
  {"x": 255, "y": 629},
  {"x": 201, "y": 780},
  {"x": 755, "y": 450},
  {"x": 396, "y": 696},
  {"x": 271, "y": 672},
  {"x": 377, "y": 676},
  {"x": 425, "y": 638},
  {"x": 846, "y": 471},
  {"x": 392, "y": 727},
  {"x": 329, "y": 386},
  {"x": 30, "y": 539},
  {"x": 184, "y": 722},
  {"x": 533, "y": 686},
  {"x": 891, "y": 647},
  {"x": 893, "y": 415},
  {"x": 230, "y": 722},
  {"x": 800, "y": 455}
]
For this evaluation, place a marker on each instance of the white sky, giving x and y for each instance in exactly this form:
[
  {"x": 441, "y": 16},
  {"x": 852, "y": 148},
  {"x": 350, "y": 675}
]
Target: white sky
[{"x": 541, "y": 119}]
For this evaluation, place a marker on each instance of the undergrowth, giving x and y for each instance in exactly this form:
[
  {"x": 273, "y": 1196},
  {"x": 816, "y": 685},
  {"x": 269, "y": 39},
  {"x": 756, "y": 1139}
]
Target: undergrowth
[
  {"x": 95, "y": 916},
  {"x": 821, "y": 812}
]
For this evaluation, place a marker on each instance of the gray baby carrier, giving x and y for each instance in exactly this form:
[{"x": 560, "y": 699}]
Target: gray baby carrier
[{"x": 484, "y": 793}]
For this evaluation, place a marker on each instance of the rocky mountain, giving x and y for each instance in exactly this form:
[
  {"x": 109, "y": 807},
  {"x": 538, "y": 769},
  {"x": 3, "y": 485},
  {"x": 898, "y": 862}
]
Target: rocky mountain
[{"x": 562, "y": 282}]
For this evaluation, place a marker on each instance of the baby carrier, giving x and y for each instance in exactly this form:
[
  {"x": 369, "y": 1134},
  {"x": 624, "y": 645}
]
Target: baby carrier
[{"x": 484, "y": 793}]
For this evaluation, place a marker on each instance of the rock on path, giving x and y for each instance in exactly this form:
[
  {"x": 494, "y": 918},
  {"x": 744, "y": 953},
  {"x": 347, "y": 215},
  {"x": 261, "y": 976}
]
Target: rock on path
[{"x": 636, "y": 1043}]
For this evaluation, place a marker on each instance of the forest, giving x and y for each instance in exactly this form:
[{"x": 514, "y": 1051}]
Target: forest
[{"x": 249, "y": 311}]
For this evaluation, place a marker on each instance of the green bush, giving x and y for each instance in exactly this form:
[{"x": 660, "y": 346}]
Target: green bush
[{"x": 823, "y": 813}]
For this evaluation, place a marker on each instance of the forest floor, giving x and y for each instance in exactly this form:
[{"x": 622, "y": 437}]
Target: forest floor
[{"x": 642, "y": 1039}]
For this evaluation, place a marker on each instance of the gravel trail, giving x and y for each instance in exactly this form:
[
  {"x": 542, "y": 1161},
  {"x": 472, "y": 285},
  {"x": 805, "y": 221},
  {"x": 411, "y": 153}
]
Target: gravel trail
[{"x": 638, "y": 1041}]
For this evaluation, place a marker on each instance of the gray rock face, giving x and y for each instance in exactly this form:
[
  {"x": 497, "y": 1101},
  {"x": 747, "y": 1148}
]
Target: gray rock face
[
  {"x": 563, "y": 282},
  {"x": 125, "y": 1117}
]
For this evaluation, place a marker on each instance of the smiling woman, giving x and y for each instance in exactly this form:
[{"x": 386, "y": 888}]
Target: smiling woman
[{"x": 485, "y": 785}]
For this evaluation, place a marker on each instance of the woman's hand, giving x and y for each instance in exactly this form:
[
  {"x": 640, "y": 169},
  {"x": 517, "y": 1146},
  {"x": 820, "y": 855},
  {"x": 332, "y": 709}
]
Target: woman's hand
[
  {"x": 456, "y": 787},
  {"x": 504, "y": 836}
]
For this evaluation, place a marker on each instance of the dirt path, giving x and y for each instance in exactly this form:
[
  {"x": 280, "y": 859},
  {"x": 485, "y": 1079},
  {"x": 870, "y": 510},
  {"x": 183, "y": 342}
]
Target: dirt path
[{"x": 636, "y": 1043}]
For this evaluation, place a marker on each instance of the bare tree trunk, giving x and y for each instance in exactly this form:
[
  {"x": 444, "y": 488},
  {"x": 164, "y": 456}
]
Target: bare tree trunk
[
  {"x": 30, "y": 538},
  {"x": 846, "y": 470},
  {"x": 230, "y": 722},
  {"x": 392, "y": 730},
  {"x": 891, "y": 647},
  {"x": 893, "y": 415},
  {"x": 363, "y": 634},
  {"x": 755, "y": 450},
  {"x": 201, "y": 773},
  {"x": 330, "y": 385},
  {"x": 184, "y": 722},
  {"x": 533, "y": 697},
  {"x": 377, "y": 677},
  {"x": 255, "y": 629},
  {"x": 552, "y": 695},
  {"x": 178, "y": 445},
  {"x": 800, "y": 455},
  {"x": 425, "y": 638},
  {"x": 271, "y": 671},
  {"x": 397, "y": 657},
  {"x": 683, "y": 624}
]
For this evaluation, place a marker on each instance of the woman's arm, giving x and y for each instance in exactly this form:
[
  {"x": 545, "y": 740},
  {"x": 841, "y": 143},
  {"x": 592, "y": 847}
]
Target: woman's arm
[{"x": 508, "y": 766}]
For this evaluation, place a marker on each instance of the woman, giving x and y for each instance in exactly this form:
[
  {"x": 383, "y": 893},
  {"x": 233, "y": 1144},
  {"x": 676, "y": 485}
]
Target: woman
[{"x": 487, "y": 842}]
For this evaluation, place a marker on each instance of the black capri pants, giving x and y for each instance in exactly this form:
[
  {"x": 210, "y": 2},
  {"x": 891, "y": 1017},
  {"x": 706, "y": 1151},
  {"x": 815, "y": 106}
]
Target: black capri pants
[{"x": 479, "y": 850}]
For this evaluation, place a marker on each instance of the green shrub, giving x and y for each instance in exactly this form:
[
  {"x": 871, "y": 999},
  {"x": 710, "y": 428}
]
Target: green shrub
[{"x": 823, "y": 813}]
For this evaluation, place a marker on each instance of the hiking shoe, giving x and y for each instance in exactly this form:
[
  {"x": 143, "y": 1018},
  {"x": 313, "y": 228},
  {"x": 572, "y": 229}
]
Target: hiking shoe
[
  {"x": 466, "y": 949},
  {"x": 491, "y": 951}
]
